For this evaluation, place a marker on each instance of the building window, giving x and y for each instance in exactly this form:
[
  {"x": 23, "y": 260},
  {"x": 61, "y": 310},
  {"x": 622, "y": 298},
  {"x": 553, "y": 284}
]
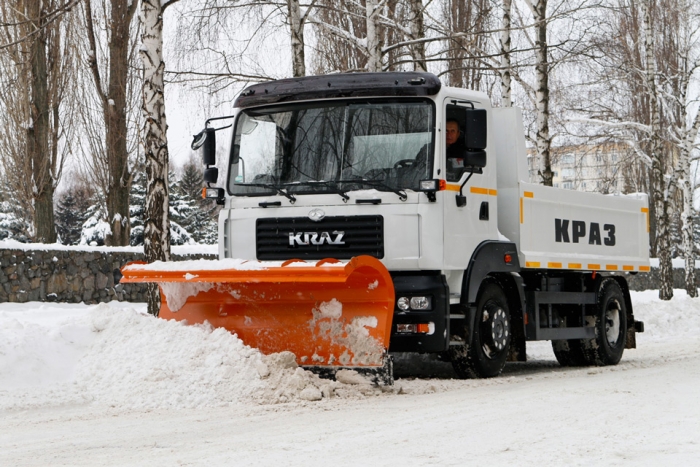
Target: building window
[{"x": 567, "y": 159}]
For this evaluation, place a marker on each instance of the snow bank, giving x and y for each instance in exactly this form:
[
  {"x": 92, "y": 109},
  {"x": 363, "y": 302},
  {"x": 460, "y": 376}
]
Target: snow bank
[
  {"x": 115, "y": 355},
  {"x": 666, "y": 320},
  {"x": 175, "y": 249},
  {"x": 129, "y": 360}
]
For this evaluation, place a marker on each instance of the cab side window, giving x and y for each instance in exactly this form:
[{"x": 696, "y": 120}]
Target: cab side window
[{"x": 454, "y": 142}]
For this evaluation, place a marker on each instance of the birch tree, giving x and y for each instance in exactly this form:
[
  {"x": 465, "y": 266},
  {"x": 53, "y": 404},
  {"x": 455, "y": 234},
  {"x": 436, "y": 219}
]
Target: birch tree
[
  {"x": 155, "y": 141},
  {"x": 681, "y": 47},
  {"x": 641, "y": 97},
  {"x": 660, "y": 196},
  {"x": 374, "y": 37},
  {"x": 542, "y": 69},
  {"x": 297, "y": 21},
  {"x": 505, "y": 48}
]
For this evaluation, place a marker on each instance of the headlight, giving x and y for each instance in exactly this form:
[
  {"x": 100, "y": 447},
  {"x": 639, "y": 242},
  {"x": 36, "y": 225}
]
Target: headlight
[
  {"x": 414, "y": 303},
  {"x": 420, "y": 303}
]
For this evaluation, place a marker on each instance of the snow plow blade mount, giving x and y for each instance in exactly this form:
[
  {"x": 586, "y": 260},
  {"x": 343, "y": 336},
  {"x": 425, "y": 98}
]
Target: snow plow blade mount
[{"x": 328, "y": 313}]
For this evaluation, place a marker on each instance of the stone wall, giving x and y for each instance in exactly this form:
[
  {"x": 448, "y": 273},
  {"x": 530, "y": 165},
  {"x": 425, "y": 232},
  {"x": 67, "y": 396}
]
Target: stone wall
[
  {"x": 70, "y": 275},
  {"x": 650, "y": 280}
]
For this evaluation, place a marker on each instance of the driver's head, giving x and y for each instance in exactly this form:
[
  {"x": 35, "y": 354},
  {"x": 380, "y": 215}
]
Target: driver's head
[{"x": 452, "y": 132}]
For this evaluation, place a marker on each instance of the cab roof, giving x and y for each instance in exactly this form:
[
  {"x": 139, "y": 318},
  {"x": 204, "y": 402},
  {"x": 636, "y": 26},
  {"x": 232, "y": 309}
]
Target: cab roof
[{"x": 349, "y": 85}]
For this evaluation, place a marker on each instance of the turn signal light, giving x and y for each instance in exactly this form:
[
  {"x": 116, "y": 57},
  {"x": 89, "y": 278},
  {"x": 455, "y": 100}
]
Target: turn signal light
[{"x": 421, "y": 328}]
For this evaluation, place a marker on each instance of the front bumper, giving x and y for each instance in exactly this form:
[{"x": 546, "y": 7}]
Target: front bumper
[{"x": 412, "y": 284}]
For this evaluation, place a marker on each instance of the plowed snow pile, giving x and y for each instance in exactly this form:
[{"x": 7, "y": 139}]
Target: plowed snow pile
[
  {"x": 127, "y": 359},
  {"x": 113, "y": 355}
]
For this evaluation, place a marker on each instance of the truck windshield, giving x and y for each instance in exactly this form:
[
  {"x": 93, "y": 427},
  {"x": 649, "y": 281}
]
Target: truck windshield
[{"x": 332, "y": 147}]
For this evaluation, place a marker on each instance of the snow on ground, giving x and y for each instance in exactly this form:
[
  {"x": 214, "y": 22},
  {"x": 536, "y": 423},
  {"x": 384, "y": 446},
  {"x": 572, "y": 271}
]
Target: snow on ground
[{"x": 109, "y": 385}]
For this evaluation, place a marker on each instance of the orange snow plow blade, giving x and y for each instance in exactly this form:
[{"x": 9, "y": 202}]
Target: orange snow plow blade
[{"x": 328, "y": 313}]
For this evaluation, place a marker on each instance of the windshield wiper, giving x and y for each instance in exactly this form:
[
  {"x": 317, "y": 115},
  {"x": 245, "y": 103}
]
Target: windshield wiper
[
  {"x": 292, "y": 199},
  {"x": 324, "y": 183},
  {"x": 377, "y": 183}
]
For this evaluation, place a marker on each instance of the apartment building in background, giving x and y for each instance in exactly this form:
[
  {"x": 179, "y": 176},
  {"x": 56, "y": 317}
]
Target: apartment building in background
[{"x": 602, "y": 168}]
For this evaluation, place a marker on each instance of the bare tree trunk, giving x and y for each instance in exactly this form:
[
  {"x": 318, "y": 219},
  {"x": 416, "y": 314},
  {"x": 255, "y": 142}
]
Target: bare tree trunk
[
  {"x": 39, "y": 130},
  {"x": 155, "y": 143},
  {"x": 464, "y": 22},
  {"x": 374, "y": 45},
  {"x": 506, "y": 90},
  {"x": 296, "y": 26},
  {"x": 417, "y": 32},
  {"x": 544, "y": 140},
  {"x": 114, "y": 108},
  {"x": 657, "y": 163},
  {"x": 115, "y": 121}
]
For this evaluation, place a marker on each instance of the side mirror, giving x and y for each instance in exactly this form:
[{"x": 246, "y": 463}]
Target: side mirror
[
  {"x": 209, "y": 150},
  {"x": 211, "y": 174},
  {"x": 206, "y": 138},
  {"x": 475, "y": 129}
]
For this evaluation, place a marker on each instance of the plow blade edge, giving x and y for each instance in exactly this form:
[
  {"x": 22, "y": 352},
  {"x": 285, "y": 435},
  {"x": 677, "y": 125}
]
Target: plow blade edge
[{"x": 327, "y": 313}]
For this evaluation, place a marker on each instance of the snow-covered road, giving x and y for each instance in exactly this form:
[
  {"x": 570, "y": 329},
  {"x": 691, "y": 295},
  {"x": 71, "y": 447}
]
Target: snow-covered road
[{"x": 119, "y": 397}]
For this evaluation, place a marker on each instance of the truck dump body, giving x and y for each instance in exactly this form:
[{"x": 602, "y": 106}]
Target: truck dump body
[
  {"x": 565, "y": 229},
  {"x": 556, "y": 228}
]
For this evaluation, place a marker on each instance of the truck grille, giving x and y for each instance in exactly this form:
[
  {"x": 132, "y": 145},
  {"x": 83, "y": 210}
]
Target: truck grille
[{"x": 280, "y": 238}]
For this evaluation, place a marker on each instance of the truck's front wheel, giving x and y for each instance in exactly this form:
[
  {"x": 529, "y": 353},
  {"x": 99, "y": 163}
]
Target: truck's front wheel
[{"x": 491, "y": 336}]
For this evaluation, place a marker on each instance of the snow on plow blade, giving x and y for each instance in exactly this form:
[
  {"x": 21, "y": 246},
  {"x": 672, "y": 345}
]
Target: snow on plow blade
[{"x": 329, "y": 313}]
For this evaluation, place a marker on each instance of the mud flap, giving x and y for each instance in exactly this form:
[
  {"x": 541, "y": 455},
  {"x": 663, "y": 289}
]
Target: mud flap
[{"x": 328, "y": 313}]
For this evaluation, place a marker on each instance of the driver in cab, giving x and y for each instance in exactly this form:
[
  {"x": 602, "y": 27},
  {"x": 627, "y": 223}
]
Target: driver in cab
[{"x": 455, "y": 149}]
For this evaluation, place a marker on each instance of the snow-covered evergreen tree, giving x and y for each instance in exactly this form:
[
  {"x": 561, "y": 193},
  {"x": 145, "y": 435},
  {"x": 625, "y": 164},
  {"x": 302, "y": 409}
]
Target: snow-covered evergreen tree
[
  {"x": 197, "y": 215},
  {"x": 13, "y": 222},
  {"x": 179, "y": 210},
  {"x": 138, "y": 205},
  {"x": 95, "y": 228},
  {"x": 72, "y": 212}
]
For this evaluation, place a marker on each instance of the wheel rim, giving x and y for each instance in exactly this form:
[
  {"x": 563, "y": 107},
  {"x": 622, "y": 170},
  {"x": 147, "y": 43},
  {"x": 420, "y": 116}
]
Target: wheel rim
[
  {"x": 612, "y": 322},
  {"x": 495, "y": 327}
]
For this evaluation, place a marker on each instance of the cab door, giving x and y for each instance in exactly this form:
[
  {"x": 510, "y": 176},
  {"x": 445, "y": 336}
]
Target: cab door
[{"x": 466, "y": 224}]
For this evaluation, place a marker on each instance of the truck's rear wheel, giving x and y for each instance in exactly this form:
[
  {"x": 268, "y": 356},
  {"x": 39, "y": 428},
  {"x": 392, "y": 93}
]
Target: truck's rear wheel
[
  {"x": 491, "y": 336},
  {"x": 610, "y": 323}
]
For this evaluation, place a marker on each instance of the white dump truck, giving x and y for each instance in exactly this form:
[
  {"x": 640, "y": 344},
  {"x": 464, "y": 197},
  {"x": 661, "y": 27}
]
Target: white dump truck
[{"x": 466, "y": 258}]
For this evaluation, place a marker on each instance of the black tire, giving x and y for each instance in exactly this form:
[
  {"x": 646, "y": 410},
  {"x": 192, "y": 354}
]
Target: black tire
[
  {"x": 569, "y": 352},
  {"x": 610, "y": 324},
  {"x": 491, "y": 337}
]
